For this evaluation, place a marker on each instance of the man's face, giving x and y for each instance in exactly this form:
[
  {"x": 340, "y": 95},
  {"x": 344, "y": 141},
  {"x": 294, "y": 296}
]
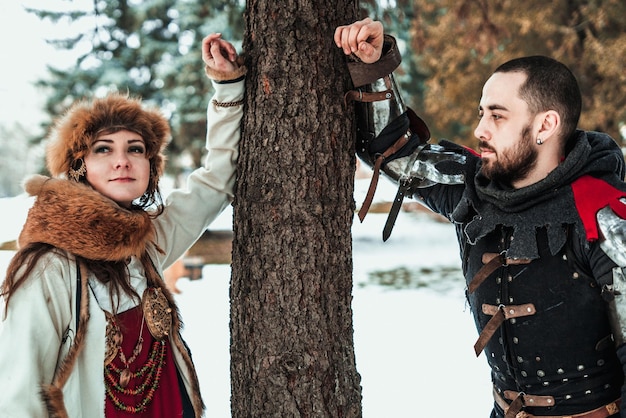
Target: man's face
[{"x": 507, "y": 143}]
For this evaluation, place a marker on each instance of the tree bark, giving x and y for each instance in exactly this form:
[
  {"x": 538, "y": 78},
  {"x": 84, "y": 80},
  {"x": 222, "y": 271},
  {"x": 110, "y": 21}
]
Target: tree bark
[{"x": 292, "y": 350}]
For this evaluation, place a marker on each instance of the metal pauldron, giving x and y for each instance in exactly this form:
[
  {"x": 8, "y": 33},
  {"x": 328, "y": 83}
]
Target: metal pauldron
[
  {"x": 613, "y": 230},
  {"x": 613, "y": 243}
]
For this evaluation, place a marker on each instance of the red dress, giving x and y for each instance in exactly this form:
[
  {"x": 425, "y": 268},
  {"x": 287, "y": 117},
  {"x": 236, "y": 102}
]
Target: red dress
[{"x": 152, "y": 389}]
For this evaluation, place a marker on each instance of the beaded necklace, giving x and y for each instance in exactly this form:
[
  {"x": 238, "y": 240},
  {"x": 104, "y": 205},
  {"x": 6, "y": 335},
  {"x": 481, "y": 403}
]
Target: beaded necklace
[{"x": 151, "y": 374}]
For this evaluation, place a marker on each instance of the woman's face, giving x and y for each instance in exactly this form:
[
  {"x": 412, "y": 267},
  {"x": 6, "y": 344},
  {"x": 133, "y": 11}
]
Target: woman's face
[{"x": 117, "y": 166}]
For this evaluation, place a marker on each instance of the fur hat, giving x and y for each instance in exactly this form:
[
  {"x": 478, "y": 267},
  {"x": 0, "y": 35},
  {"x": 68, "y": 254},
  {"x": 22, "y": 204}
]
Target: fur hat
[{"x": 73, "y": 133}]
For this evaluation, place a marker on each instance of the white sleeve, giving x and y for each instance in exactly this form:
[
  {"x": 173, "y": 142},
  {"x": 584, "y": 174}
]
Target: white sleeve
[{"x": 189, "y": 212}]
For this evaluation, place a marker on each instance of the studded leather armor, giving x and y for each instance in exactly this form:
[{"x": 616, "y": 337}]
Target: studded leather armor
[
  {"x": 559, "y": 343},
  {"x": 538, "y": 282}
]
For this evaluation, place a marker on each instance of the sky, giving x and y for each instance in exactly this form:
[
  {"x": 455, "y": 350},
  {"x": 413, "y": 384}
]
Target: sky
[{"x": 24, "y": 55}]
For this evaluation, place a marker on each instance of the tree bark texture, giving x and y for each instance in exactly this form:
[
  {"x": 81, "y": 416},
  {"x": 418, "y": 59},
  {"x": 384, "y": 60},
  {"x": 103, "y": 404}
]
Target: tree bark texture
[{"x": 292, "y": 351}]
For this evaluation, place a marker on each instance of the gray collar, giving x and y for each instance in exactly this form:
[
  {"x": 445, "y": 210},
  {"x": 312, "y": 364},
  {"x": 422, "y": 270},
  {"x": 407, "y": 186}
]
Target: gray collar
[{"x": 487, "y": 205}]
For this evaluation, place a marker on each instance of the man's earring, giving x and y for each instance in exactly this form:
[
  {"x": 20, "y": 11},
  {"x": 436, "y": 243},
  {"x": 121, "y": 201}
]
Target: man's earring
[
  {"x": 76, "y": 174},
  {"x": 539, "y": 141}
]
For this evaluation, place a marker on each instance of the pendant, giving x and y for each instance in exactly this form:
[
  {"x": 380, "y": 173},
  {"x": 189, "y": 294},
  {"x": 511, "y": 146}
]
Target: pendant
[
  {"x": 157, "y": 311},
  {"x": 113, "y": 339},
  {"x": 125, "y": 377}
]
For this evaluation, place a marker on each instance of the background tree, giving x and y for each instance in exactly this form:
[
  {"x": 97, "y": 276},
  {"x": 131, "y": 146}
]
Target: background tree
[
  {"x": 461, "y": 42},
  {"x": 17, "y": 160},
  {"x": 150, "y": 48},
  {"x": 292, "y": 352}
]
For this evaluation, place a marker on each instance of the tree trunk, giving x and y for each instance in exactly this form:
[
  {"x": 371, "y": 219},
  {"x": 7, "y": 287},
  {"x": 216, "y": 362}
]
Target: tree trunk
[{"x": 292, "y": 350}]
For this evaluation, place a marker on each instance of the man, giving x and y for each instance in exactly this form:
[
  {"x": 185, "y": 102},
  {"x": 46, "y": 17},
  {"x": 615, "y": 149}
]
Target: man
[{"x": 540, "y": 224}]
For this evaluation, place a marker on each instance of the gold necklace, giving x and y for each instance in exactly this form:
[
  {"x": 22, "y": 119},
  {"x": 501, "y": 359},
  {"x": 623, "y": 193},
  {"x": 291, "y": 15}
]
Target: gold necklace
[
  {"x": 126, "y": 374},
  {"x": 144, "y": 391}
]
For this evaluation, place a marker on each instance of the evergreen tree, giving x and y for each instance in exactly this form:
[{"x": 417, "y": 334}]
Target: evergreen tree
[{"x": 149, "y": 48}]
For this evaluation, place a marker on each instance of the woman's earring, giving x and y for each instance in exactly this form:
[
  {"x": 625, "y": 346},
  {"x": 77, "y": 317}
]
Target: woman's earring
[
  {"x": 539, "y": 141},
  {"x": 76, "y": 174}
]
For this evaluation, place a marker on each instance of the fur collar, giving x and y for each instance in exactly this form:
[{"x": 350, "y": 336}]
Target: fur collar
[{"x": 74, "y": 217}]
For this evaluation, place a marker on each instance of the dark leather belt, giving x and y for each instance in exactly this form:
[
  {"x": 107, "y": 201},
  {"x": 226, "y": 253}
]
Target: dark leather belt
[{"x": 511, "y": 411}]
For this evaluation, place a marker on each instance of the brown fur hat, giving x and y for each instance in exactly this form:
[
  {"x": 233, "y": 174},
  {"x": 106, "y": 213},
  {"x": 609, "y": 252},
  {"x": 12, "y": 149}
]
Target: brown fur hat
[{"x": 73, "y": 133}]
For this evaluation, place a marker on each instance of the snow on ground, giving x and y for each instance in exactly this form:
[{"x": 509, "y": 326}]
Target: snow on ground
[{"x": 414, "y": 345}]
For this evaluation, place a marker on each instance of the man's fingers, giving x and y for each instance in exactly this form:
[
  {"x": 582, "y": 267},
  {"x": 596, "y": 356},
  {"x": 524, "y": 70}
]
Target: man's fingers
[
  {"x": 337, "y": 36},
  {"x": 350, "y": 37}
]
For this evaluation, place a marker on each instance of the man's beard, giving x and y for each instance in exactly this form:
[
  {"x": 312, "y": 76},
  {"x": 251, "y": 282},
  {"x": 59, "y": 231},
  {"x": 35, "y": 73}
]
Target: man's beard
[{"x": 514, "y": 164}]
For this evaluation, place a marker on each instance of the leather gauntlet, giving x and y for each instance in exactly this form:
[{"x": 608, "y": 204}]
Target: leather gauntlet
[{"x": 391, "y": 138}]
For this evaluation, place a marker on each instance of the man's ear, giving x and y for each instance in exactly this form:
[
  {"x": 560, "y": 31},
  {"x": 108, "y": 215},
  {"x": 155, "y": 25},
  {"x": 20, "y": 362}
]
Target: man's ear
[{"x": 549, "y": 125}]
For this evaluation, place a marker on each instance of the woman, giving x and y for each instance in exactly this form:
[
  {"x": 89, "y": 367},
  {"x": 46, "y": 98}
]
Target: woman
[{"x": 89, "y": 328}]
